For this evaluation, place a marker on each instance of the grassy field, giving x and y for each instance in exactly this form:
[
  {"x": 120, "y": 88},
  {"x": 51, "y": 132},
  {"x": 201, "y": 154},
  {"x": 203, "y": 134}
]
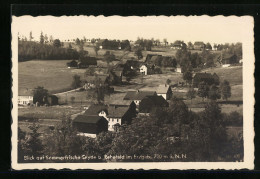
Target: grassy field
[
  {"x": 53, "y": 75},
  {"x": 51, "y": 112}
]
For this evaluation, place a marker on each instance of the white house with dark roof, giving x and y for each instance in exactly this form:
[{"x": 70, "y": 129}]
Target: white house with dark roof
[
  {"x": 143, "y": 69},
  {"x": 25, "y": 96}
]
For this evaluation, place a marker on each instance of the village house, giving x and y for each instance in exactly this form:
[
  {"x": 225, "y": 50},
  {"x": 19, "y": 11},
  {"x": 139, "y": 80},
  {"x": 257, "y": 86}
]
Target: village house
[
  {"x": 97, "y": 110},
  {"x": 149, "y": 103},
  {"x": 144, "y": 69},
  {"x": 118, "y": 115},
  {"x": 164, "y": 90},
  {"x": 87, "y": 62},
  {"x": 25, "y": 96},
  {"x": 92, "y": 81},
  {"x": 149, "y": 56},
  {"x": 199, "y": 46},
  {"x": 229, "y": 59},
  {"x": 137, "y": 96},
  {"x": 90, "y": 125},
  {"x": 207, "y": 78},
  {"x": 113, "y": 113},
  {"x": 178, "y": 45}
]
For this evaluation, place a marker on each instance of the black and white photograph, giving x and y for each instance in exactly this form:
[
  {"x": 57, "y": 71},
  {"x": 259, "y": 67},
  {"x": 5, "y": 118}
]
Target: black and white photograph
[{"x": 150, "y": 92}]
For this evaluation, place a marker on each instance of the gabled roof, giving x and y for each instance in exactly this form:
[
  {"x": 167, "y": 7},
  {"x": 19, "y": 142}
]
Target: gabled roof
[
  {"x": 95, "y": 109},
  {"x": 199, "y": 43},
  {"x": 157, "y": 101},
  {"x": 88, "y": 61},
  {"x": 203, "y": 75},
  {"x": 138, "y": 95},
  {"x": 25, "y": 92},
  {"x": 88, "y": 119},
  {"x": 120, "y": 102},
  {"x": 162, "y": 89},
  {"x": 117, "y": 111}
]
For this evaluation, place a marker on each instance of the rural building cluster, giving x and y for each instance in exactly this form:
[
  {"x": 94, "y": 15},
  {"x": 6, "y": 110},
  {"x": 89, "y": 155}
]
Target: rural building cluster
[{"x": 100, "y": 117}]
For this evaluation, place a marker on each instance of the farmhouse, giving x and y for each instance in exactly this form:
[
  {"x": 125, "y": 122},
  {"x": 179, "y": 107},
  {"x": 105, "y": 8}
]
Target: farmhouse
[
  {"x": 199, "y": 46},
  {"x": 86, "y": 62},
  {"x": 97, "y": 110},
  {"x": 144, "y": 70},
  {"x": 92, "y": 81},
  {"x": 72, "y": 64},
  {"x": 137, "y": 96},
  {"x": 229, "y": 59},
  {"x": 52, "y": 100},
  {"x": 178, "y": 45},
  {"x": 118, "y": 115},
  {"x": 150, "y": 102},
  {"x": 85, "y": 124},
  {"x": 164, "y": 91},
  {"x": 207, "y": 78},
  {"x": 149, "y": 56},
  {"x": 25, "y": 96}
]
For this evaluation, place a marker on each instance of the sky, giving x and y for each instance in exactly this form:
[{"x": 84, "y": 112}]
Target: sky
[{"x": 218, "y": 29}]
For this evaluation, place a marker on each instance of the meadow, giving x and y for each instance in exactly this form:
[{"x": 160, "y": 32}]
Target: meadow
[{"x": 53, "y": 75}]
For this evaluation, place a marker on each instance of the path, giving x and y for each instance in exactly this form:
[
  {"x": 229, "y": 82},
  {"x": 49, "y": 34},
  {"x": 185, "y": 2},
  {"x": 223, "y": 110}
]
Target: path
[{"x": 67, "y": 91}]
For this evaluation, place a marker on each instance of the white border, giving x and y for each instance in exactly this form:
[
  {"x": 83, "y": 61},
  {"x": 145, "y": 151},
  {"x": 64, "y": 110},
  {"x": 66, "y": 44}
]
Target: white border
[{"x": 248, "y": 113}]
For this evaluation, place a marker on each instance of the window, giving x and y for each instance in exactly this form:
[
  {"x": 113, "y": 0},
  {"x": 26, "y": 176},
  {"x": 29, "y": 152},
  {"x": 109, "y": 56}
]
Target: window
[
  {"x": 112, "y": 120},
  {"x": 117, "y": 120}
]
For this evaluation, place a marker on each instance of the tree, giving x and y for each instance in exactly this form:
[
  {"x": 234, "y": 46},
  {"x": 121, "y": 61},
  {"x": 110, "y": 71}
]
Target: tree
[
  {"x": 38, "y": 94},
  {"x": 96, "y": 49},
  {"x": 64, "y": 139},
  {"x": 225, "y": 90},
  {"x": 138, "y": 52},
  {"x": 208, "y": 46},
  {"x": 191, "y": 94},
  {"x": 109, "y": 57},
  {"x": 57, "y": 43},
  {"x": 51, "y": 38},
  {"x": 187, "y": 76},
  {"x": 41, "y": 38},
  {"x": 190, "y": 46},
  {"x": 203, "y": 90},
  {"x": 34, "y": 143},
  {"x": 30, "y": 36},
  {"x": 72, "y": 99},
  {"x": 76, "y": 82},
  {"x": 214, "y": 93},
  {"x": 168, "y": 81},
  {"x": 77, "y": 41},
  {"x": 213, "y": 122},
  {"x": 90, "y": 71},
  {"x": 165, "y": 42},
  {"x": 45, "y": 38}
]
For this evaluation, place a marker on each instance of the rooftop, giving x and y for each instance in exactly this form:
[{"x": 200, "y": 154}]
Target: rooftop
[
  {"x": 117, "y": 111},
  {"x": 138, "y": 95},
  {"x": 87, "y": 119},
  {"x": 95, "y": 109}
]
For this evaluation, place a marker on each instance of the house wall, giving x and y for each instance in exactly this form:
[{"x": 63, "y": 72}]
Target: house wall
[
  {"x": 112, "y": 121},
  {"x": 143, "y": 70},
  {"x": 137, "y": 102},
  {"x": 178, "y": 70},
  {"x": 25, "y": 100}
]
